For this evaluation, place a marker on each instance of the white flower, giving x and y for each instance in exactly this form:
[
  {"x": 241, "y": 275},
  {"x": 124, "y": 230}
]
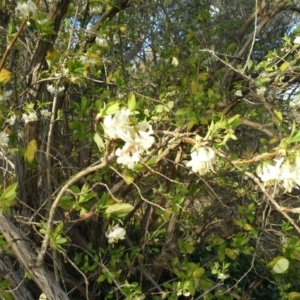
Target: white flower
[
  {"x": 202, "y": 160},
  {"x": 238, "y": 93},
  {"x": 45, "y": 113},
  {"x": 3, "y": 139},
  {"x": 115, "y": 233},
  {"x": 186, "y": 293},
  {"x": 11, "y": 120},
  {"x": 31, "y": 117},
  {"x": 222, "y": 276},
  {"x": 114, "y": 126},
  {"x": 270, "y": 172},
  {"x": 88, "y": 60},
  {"x": 128, "y": 155},
  {"x": 5, "y": 96},
  {"x": 297, "y": 40},
  {"x": 142, "y": 139},
  {"x": 51, "y": 89},
  {"x": 137, "y": 138},
  {"x": 26, "y": 9},
  {"x": 101, "y": 41},
  {"x": 287, "y": 177},
  {"x": 261, "y": 90}
]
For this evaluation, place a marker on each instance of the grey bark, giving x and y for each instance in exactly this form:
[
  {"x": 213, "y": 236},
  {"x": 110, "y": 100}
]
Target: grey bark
[
  {"x": 27, "y": 257},
  {"x": 17, "y": 288}
]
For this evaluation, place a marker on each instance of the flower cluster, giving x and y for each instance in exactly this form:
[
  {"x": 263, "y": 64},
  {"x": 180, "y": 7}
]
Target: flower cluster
[
  {"x": 202, "y": 160},
  {"x": 52, "y": 89},
  {"x": 11, "y": 120},
  {"x": 115, "y": 233},
  {"x": 137, "y": 138},
  {"x": 102, "y": 42},
  {"x": 285, "y": 173},
  {"x": 45, "y": 113},
  {"x": 297, "y": 40},
  {"x": 32, "y": 116},
  {"x": 3, "y": 139},
  {"x": 26, "y": 9}
]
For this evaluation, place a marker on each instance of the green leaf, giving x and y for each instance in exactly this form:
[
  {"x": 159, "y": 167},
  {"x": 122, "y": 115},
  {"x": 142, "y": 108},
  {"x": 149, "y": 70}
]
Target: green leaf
[
  {"x": 159, "y": 108},
  {"x": 9, "y": 193},
  {"x": 66, "y": 202},
  {"x": 131, "y": 102},
  {"x": 194, "y": 87},
  {"x": 198, "y": 272},
  {"x": 6, "y": 295},
  {"x": 203, "y": 76},
  {"x": 272, "y": 141},
  {"x": 278, "y": 116},
  {"x": 249, "y": 64},
  {"x": 192, "y": 289},
  {"x": 183, "y": 111},
  {"x": 293, "y": 296},
  {"x": 230, "y": 253},
  {"x": 101, "y": 278},
  {"x": 278, "y": 264},
  {"x": 235, "y": 121},
  {"x": 295, "y": 138},
  {"x": 170, "y": 104},
  {"x": 60, "y": 240},
  {"x": 98, "y": 140},
  {"x": 30, "y": 151},
  {"x": 128, "y": 176},
  {"x": 112, "y": 108},
  {"x": 205, "y": 284},
  {"x": 284, "y": 66},
  {"x": 281, "y": 265},
  {"x": 119, "y": 209}
]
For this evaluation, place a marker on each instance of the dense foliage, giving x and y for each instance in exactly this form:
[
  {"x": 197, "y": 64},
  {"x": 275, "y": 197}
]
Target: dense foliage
[{"x": 149, "y": 149}]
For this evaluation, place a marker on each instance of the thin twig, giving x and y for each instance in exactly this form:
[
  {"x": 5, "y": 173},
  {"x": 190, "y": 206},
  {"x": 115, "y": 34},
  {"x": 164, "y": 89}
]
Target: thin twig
[{"x": 54, "y": 205}]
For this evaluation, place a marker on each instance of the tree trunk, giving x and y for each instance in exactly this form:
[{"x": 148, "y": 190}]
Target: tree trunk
[{"x": 26, "y": 256}]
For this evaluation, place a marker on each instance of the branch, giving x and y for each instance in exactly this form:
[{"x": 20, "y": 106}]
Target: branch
[{"x": 71, "y": 181}]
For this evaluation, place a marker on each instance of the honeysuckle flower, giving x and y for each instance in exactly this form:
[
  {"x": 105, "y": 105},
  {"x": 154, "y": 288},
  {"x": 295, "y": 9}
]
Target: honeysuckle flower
[
  {"x": 145, "y": 140},
  {"x": 270, "y": 172},
  {"x": 128, "y": 156},
  {"x": 261, "y": 90},
  {"x": 5, "y": 96},
  {"x": 88, "y": 60},
  {"x": 11, "y": 120},
  {"x": 3, "y": 139},
  {"x": 238, "y": 93},
  {"x": 202, "y": 160},
  {"x": 26, "y": 9},
  {"x": 138, "y": 136},
  {"x": 31, "y": 117},
  {"x": 102, "y": 42},
  {"x": 45, "y": 113},
  {"x": 52, "y": 88},
  {"x": 288, "y": 176},
  {"x": 116, "y": 125},
  {"x": 115, "y": 233},
  {"x": 222, "y": 276},
  {"x": 297, "y": 40}
]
